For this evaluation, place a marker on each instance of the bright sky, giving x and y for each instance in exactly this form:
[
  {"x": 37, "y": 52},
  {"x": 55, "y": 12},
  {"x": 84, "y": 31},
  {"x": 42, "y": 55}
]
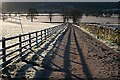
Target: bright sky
[{"x": 60, "y": 0}]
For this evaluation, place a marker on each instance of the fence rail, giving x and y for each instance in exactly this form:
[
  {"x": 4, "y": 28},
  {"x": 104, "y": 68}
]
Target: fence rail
[{"x": 25, "y": 42}]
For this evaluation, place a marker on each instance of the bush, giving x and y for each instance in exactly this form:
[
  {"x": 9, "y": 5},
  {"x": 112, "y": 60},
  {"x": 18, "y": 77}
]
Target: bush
[{"x": 103, "y": 33}]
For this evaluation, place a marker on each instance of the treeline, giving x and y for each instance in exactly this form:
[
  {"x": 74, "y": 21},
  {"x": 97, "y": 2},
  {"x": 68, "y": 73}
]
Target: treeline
[
  {"x": 68, "y": 10},
  {"x": 65, "y": 13}
]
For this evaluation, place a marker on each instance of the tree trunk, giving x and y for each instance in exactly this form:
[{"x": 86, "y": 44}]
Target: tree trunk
[
  {"x": 64, "y": 19},
  {"x": 50, "y": 19},
  {"x": 31, "y": 18}
]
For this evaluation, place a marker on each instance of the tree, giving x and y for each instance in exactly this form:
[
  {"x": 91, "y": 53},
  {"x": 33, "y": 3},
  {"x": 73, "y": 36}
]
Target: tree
[
  {"x": 4, "y": 17},
  {"x": 32, "y": 12},
  {"x": 63, "y": 12},
  {"x": 15, "y": 13},
  {"x": 9, "y": 14},
  {"x": 50, "y": 16},
  {"x": 76, "y": 15},
  {"x": 97, "y": 13}
]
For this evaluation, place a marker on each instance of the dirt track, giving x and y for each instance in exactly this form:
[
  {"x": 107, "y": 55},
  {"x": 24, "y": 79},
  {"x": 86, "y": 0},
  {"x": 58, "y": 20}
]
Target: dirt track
[
  {"x": 76, "y": 55},
  {"x": 81, "y": 56}
]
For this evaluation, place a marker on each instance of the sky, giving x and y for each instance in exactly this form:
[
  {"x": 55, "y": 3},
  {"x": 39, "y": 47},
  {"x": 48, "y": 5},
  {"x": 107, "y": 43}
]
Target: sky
[{"x": 59, "y": 0}]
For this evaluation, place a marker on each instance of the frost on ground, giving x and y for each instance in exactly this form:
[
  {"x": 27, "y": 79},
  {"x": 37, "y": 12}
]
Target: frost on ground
[
  {"x": 32, "y": 63},
  {"x": 102, "y": 20},
  {"x": 12, "y": 27},
  {"x": 106, "y": 42},
  {"x": 113, "y": 20}
]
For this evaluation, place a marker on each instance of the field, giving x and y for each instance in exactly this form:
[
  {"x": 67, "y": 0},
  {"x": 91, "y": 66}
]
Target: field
[
  {"x": 12, "y": 27},
  {"x": 113, "y": 20}
]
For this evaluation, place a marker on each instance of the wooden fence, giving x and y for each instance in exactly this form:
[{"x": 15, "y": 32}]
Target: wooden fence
[{"x": 25, "y": 42}]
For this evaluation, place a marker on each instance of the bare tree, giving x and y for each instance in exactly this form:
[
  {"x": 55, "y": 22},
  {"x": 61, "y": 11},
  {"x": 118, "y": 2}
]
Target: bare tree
[
  {"x": 9, "y": 14},
  {"x": 4, "y": 17},
  {"x": 50, "y": 16},
  {"x": 15, "y": 13},
  {"x": 76, "y": 15},
  {"x": 63, "y": 12},
  {"x": 32, "y": 12}
]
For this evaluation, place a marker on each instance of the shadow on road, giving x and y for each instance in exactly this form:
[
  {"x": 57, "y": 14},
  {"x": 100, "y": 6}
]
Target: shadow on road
[
  {"x": 47, "y": 62},
  {"x": 67, "y": 64},
  {"x": 31, "y": 63},
  {"x": 82, "y": 59}
]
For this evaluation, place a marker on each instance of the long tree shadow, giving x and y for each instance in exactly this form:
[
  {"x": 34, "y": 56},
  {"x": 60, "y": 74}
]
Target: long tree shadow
[
  {"x": 43, "y": 48},
  {"x": 47, "y": 62},
  {"x": 25, "y": 67},
  {"x": 83, "y": 61},
  {"x": 67, "y": 64}
]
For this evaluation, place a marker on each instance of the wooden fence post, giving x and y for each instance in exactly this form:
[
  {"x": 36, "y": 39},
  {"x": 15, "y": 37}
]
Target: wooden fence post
[
  {"x": 20, "y": 45},
  {"x": 4, "y": 50},
  {"x": 41, "y": 35},
  {"x": 54, "y": 29},
  {"x": 48, "y": 32},
  {"x": 37, "y": 38},
  {"x": 30, "y": 40},
  {"x": 45, "y": 33}
]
